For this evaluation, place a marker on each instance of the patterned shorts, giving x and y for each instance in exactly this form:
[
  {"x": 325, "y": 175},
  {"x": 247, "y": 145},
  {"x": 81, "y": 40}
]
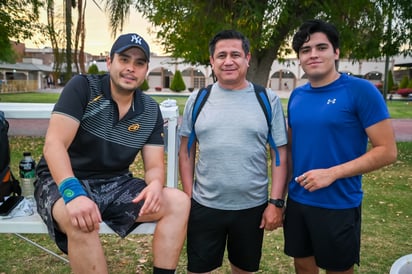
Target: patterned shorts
[{"x": 113, "y": 197}]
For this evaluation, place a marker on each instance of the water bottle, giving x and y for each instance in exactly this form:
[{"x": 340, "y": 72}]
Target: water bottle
[{"x": 27, "y": 174}]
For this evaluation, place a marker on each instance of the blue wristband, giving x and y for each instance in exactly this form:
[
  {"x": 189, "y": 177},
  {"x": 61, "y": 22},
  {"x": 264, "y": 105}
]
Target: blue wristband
[{"x": 71, "y": 188}]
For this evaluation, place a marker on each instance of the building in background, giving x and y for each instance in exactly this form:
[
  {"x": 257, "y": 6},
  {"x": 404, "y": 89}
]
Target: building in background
[{"x": 34, "y": 68}]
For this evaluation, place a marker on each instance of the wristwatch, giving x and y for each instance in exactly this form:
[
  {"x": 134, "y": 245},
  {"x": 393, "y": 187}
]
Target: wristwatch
[{"x": 277, "y": 202}]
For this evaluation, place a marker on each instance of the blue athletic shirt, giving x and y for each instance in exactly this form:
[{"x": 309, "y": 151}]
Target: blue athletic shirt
[{"x": 328, "y": 128}]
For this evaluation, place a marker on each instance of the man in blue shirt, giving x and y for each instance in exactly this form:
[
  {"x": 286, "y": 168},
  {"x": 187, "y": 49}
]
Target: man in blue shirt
[{"x": 330, "y": 119}]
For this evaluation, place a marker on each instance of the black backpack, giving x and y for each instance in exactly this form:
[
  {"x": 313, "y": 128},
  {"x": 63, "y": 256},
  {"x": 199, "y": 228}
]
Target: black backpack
[{"x": 9, "y": 185}]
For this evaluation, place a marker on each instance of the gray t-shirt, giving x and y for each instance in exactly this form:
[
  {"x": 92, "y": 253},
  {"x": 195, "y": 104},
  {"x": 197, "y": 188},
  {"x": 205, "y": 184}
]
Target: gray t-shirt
[{"x": 231, "y": 170}]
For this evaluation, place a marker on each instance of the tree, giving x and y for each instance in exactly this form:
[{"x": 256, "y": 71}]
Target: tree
[
  {"x": 177, "y": 83},
  {"x": 268, "y": 24},
  {"x": 17, "y": 22},
  {"x": 69, "y": 4},
  {"x": 80, "y": 35},
  {"x": 56, "y": 38}
]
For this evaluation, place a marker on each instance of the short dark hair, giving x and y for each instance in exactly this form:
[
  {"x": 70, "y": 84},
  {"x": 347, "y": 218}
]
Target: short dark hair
[
  {"x": 311, "y": 26},
  {"x": 229, "y": 34}
]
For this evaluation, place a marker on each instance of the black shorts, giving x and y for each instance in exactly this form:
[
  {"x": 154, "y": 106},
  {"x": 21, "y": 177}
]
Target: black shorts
[
  {"x": 209, "y": 229},
  {"x": 113, "y": 197},
  {"x": 331, "y": 236}
]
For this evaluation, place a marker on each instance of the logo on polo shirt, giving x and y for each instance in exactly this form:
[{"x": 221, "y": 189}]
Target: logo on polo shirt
[{"x": 133, "y": 127}]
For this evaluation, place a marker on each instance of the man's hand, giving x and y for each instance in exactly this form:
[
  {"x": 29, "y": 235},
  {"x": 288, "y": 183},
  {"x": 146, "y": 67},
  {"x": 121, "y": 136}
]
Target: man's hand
[
  {"x": 315, "y": 179},
  {"x": 84, "y": 214},
  {"x": 152, "y": 196},
  {"x": 272, "y": 217}
]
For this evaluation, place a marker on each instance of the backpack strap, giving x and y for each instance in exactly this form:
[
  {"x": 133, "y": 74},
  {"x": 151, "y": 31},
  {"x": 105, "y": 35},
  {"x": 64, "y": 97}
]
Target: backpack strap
[
  {"x": 263, "y": 99},
  {"x": 198, "y": 104}
]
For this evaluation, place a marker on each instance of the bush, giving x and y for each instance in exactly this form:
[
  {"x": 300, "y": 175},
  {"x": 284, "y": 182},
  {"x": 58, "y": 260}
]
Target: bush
[
  {"x": 404, "y": 82},
  {"x": 405, "y": 87},
  {"x": 93, "y": 69},
  {"x": 144, "y": 86},
  {"x": 404, "y": 92},
  {"x": 390, "y": 81},
  {"x": 177, "y": 83}
]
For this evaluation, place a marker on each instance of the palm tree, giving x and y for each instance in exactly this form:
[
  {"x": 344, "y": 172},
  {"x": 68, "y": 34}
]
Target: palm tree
[{"x": 69, "y": 4}]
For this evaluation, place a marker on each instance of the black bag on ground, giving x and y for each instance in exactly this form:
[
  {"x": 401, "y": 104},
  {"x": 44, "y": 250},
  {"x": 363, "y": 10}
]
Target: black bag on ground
[{"x": 9, "y": 185}]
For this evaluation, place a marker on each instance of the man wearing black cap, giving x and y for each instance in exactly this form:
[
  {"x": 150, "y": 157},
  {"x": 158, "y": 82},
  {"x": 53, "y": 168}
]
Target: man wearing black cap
[{"x": 96, "y": 129}]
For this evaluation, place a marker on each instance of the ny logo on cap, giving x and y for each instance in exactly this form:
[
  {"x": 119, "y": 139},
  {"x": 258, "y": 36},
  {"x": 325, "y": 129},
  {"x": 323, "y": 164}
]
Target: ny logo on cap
[{"x": 136, "y": 39}]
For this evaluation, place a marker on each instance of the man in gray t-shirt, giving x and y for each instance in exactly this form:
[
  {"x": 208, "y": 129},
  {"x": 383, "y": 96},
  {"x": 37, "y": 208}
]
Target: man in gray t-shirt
[{"x": 228, "y": 182}]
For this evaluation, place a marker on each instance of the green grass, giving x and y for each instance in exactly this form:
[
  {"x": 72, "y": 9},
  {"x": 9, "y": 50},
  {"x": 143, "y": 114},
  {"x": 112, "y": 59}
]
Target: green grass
[
  {"x": 387, "y": 216},
  {"x": 29, "y": 97},
  {"x": 387, "y": 221},
  {"x": 397, "y": 109}
]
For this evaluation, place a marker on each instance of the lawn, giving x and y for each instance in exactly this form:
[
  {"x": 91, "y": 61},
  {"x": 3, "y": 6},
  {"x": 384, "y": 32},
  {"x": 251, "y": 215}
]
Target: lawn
[
  {"x": 387, "y": 220},
  {"x": 387, "y": 217},
  {"x": 398, "y": 109}
]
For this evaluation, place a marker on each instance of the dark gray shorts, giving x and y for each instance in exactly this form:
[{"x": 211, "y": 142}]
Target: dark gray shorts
[
  {"x": 113, "y": 197},
  {"x": 332, "y": 236},
  {"x": 211, "y": 231}
]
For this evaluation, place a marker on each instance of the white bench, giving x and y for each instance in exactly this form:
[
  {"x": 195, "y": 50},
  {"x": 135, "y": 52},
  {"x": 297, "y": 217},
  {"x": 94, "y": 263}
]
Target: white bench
[{"x": 33, "y": 224}]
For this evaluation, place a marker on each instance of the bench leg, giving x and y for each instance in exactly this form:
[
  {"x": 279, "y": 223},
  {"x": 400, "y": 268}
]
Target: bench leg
[{"x": 41, "y": 247}]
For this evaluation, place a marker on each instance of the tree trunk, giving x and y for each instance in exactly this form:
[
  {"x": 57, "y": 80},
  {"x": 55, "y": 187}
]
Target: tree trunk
[{"x": 69, "y": 62}]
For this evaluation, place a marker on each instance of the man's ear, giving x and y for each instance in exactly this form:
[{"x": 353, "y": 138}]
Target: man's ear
[
  {"x": 337, "y": 53},
  {"x": 108, "y": 62}
]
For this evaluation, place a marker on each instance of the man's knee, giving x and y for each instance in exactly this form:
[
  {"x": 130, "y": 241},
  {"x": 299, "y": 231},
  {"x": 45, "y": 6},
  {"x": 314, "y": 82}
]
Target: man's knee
[{"x": 177, "y": 202}]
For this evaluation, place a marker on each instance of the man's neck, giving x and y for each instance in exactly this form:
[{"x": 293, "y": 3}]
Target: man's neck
[
  {"x": 324, "y": 81},
  {"x": 234, "y": 86}
]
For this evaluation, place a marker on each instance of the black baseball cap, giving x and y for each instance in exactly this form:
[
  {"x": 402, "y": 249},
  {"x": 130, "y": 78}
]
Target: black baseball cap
[{"x": 126, "y": 41}]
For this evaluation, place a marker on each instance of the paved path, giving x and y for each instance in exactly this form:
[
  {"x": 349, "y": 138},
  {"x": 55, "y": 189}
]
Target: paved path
[{"x": 38, "y": 127}]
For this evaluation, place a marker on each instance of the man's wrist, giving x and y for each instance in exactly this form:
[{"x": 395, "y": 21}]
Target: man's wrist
[
  {"x": 279, "y": 203},
  {"x": 71, "y": 188}
]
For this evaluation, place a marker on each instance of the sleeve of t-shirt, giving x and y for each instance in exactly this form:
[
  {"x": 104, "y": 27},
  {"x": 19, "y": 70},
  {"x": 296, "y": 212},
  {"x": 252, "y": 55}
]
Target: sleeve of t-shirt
[
  {"x": 278, "y": 122},
  {"x": 186, "y": 124},
  {"x": 156, "y": 138},
  {"x": 370, "y": 105},
  {"x": 73, "y": 98}
]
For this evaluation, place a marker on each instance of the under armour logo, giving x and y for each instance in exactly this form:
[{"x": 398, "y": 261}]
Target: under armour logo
[
  {"x": 331, "y": 101},
  {"x": 136, "y": 39}
]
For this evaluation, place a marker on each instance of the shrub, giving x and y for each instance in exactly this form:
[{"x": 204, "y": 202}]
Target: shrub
[
  {"x": 404, "y": 92},
  {"x": 144, "y": 86},
  {"x": 404, "y": 82},
  {"x": 405, "y": 87},
  {"x": 93, "y": 69},
  {"x": 177, "y": 83},
  {"x": 390, "y": 81}
]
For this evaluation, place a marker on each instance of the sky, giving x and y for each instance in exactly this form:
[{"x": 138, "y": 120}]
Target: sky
[{"x": 98, "y": 35}]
